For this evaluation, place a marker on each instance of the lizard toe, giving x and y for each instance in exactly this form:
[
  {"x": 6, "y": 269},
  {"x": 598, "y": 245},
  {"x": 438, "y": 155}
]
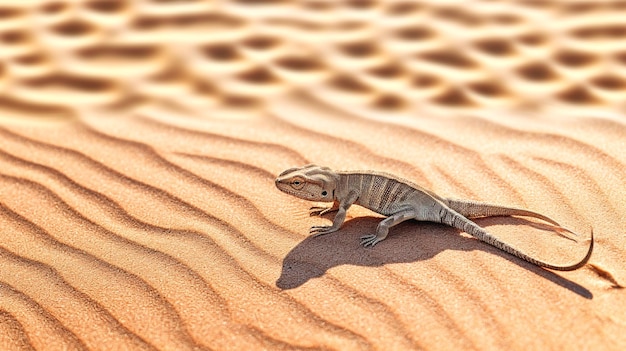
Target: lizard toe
[
  {"x": 316, "y": 211},
  {"x": 369, "y": 240},
  {"x": 321, "y": 230}
]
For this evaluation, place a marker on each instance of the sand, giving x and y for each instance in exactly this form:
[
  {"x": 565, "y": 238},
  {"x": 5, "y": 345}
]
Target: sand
[{"x": 139, "y": 142}]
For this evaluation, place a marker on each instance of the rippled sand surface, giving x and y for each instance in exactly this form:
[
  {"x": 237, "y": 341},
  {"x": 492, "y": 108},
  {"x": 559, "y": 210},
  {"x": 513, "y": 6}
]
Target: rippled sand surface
[{"x": 139, "y": 142}]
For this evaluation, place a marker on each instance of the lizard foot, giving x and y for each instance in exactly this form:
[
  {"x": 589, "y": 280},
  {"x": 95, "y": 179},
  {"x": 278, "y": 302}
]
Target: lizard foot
[
  {"x": 318, "y": 230},
  {"x": 320, "y": 210},
  {"x": 370, "y": 240}
]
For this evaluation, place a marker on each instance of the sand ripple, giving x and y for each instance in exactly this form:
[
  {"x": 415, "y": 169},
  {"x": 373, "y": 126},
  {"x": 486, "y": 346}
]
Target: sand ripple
[{"x": 139, "y": 142}]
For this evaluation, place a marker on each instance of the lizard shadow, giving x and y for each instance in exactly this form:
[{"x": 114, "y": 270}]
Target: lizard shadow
[{"x": 410, "y": 241}]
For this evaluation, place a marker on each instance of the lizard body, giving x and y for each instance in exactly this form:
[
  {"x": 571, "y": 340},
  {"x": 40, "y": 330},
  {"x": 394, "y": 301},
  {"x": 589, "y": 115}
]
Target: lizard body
[{"x": 399, "y": 200}]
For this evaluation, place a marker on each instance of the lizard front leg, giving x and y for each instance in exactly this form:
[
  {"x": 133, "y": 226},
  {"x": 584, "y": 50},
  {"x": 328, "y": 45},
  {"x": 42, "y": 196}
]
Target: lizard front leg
[
  {"x": 340, "y": 217},
  {"x": 383, "y": 227}
]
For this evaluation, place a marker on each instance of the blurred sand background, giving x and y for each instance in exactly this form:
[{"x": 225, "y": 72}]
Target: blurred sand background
[{"x": 139, "y": 142}]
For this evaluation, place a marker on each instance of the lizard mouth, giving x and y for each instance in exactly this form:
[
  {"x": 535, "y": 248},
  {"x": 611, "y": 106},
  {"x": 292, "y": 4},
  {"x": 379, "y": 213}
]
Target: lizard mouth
[
  {"x": 295, "y": 193},
  {"x": 291, "y": 192}
]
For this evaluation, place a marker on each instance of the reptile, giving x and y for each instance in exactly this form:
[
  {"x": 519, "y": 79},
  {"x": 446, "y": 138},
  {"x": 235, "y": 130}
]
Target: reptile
[{"x": 400, "y": 200}]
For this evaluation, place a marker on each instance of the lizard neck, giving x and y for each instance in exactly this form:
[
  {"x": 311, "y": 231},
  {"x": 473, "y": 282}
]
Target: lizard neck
[
  {"x": 331, "y": 183},
  {"x": 345, "y": 185}
]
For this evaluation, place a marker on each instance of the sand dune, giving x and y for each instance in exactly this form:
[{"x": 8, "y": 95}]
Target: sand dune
[{"x": 139, "y": 142}]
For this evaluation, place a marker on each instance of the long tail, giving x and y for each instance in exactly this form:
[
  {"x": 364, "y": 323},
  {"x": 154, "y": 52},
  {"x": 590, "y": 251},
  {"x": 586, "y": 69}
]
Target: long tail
[
  {"x": 452, "y": 218},
  {"x": 473, "y": 209}
]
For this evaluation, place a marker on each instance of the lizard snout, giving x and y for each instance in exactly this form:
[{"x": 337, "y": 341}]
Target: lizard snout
[{"x": 277, "y": 182}]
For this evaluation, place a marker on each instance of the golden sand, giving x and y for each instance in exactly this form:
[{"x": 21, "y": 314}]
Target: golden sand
[{"x": 139, "y": 141}]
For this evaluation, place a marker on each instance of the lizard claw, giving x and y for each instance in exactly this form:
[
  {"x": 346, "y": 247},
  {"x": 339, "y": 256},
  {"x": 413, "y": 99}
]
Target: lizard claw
[
  {"x": 317, "y": 210},
  {"x": 370, "y": 240},
  {"x": 321, "y": 230},
  {"x": 320, "y": 210}
]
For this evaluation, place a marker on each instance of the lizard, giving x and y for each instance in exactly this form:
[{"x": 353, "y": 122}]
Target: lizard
[{"x": 400, "y": 200}]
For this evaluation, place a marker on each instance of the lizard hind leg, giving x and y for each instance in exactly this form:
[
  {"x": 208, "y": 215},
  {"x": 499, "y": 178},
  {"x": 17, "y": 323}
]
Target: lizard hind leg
[{"x": 383, "y": 227}]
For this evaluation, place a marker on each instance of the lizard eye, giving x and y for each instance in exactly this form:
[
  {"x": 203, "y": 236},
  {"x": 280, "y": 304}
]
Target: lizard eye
[{"x": 297, "y": 183}]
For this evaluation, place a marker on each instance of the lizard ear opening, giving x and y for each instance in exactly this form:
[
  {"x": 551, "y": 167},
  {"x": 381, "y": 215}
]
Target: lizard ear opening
[{"x": 324, "y": 193}]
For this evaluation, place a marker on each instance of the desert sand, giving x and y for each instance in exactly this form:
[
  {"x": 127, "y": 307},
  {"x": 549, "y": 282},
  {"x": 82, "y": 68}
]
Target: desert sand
[{"x": 140, "y": 140}]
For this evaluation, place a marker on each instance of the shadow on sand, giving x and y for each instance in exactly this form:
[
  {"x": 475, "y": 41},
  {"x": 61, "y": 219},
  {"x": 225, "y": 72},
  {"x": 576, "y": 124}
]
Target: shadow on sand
[{"x": 410, "y": 241}]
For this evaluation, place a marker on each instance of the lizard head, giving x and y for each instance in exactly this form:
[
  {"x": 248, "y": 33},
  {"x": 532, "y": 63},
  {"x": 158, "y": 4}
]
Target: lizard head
[{"x": 311, "y": 182}]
